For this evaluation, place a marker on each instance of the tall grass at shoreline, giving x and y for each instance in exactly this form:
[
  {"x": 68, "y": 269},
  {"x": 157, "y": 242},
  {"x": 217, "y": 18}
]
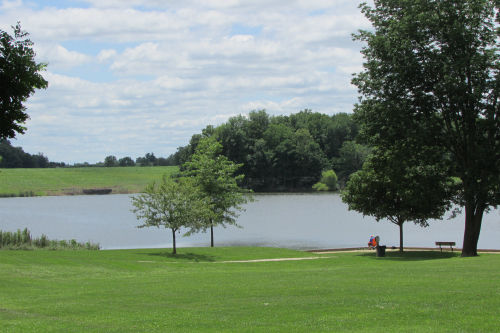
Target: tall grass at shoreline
[
  {"x": 18, "y": 195},
  {"x": 22, "y": 240}
]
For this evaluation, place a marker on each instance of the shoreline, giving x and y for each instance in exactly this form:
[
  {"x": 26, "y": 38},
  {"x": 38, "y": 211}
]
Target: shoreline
[{"x": 364, "y": 249}]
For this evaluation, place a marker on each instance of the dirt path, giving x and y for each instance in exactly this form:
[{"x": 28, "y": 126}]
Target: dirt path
[
  {"x": 254, "y": 260},
  {"x": 276, "y": 259}
]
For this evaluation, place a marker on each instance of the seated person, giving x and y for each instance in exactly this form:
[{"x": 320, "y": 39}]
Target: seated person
[{"x": 372, "y": 243}]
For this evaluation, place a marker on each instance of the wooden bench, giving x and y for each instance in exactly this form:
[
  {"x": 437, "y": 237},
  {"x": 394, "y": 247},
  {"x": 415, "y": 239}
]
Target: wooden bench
[{"x": 445, "y": 243}]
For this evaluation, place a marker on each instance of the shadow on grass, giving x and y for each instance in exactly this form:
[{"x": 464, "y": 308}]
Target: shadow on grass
[
  {"x": 412, "y": 255},
  {"x": 182, "y": 256}
]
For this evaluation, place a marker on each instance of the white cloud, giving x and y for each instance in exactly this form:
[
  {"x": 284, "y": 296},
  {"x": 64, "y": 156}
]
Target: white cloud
[
  {"x": 133, "y": 76},
  {"x": 9, "y": 5},
  {"x": 60, "y": 57},
  {"x": 106, "y": 55},
  {"x": 242, "y": 38}
]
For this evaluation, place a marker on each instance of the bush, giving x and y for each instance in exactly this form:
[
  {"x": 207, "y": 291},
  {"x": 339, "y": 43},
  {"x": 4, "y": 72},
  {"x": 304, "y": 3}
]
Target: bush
[
  {"x": 320, "y": 187},
  {"x": 328, "y": 182}
]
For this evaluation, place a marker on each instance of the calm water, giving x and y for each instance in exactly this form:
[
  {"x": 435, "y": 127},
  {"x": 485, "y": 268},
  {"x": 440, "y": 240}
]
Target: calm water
[{"x": 296, "y": 221}]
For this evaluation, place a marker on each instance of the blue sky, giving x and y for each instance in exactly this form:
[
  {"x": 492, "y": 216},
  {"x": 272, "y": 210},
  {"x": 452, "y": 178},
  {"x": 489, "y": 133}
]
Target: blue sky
[{"x": 127, "y": 77}]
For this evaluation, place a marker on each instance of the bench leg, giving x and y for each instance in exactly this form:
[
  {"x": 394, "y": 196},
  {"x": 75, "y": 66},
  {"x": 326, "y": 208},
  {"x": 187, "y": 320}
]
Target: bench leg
[
  {"x": 451, "y": 248},
  {"x": 440, "y": 248}
]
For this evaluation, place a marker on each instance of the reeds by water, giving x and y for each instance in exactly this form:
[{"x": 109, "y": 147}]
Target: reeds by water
[
  {"x": 22, "y": 240},
  {"x": 20, "y": 194}
]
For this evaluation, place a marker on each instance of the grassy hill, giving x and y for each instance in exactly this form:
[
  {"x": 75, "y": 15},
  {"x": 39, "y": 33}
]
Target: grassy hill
[
  {"x": 220, "y": 290},
  {"x": 60, "y": 181}
]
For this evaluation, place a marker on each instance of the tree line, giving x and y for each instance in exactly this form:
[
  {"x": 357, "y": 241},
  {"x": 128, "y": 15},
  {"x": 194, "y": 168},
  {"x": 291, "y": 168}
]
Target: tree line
[
  {"x": 284, "y": 151},
  {"x": 147, "y": 160},
  {"x": 16, "y": 157}
]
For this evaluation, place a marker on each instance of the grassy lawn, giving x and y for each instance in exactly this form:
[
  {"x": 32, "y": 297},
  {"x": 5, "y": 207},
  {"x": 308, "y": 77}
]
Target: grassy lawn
[
  {"x": 54, "y": 181},
  {"x": 150, "y": 290}
]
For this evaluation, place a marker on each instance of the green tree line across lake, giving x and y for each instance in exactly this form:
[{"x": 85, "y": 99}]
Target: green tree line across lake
[{"x": 283, "y": 152}]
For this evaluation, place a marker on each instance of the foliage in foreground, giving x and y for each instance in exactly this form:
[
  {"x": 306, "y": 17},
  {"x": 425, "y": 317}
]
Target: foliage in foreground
[
  {"x": 19, "y": 77},
  {"x": 213, "y": 175},
  {"x": 198, "y": 290},
  {"x": 172, "y": 205},
  {"x": 22, "y": 240},
  {"x": 388, "y": 188},
  {"x": 431, "y": 85}
]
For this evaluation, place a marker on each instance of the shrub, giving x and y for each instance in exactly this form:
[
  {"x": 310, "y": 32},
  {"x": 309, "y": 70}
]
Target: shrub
[
  {"x": 328, "y": 182},
  {"x": 320, "y": 187}
]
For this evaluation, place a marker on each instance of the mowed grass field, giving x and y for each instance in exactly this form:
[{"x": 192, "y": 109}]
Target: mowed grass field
[
  {"x": 59, "y": 180},
  {"x": 219, "y": 290}
]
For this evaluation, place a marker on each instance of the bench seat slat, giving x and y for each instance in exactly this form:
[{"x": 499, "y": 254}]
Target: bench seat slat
[{"x": 445, "y": 243}]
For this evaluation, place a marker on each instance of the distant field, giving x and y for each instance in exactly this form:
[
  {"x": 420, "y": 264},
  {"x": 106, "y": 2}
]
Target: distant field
[
  {"x": 219, "y": 290},
  {"x": 64, "y": 180}
]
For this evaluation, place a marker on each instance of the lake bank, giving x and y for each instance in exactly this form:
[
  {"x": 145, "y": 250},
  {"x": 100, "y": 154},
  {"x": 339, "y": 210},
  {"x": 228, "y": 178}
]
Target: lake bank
[{"x": 72, "y": 181}]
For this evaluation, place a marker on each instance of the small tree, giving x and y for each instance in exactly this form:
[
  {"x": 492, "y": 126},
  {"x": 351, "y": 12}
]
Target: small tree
[
  {"x": 173, "y": 205},
  {"x": 19, "y": 77},
  {"x": 126, "y": 161},
  {"x": 110, "y": 161},
  {"x": 386, "y": 188},
  {"x": 213, "y": 174},
  {"x": 328, "y": 181}
]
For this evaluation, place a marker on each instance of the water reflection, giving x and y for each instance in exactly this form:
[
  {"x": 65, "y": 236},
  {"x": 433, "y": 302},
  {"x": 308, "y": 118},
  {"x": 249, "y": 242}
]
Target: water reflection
[{"x": 296, "y": 221}]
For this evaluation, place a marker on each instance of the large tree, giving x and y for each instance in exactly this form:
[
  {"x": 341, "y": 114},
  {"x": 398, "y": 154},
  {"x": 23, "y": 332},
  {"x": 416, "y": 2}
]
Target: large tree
[
  {"x": 431, "y": 83},
  {"x": 19, "y": 77},
  {"x": 172, "y": 205},
  {"x": 399, "y": 191},
  {"x": 213, "y": 174}
]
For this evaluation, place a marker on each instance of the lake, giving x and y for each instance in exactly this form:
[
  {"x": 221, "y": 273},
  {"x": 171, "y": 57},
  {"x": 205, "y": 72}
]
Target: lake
[{"x": 295, "y": 221}]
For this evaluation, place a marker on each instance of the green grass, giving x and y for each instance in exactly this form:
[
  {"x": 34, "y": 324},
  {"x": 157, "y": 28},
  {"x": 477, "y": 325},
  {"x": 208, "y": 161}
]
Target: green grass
[
  {"x": 150, "y": 290},
  {"x": 61, "y": 180}
]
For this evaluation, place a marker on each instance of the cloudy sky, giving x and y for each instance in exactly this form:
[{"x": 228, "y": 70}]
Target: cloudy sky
[{"x": 127, "y": 77}]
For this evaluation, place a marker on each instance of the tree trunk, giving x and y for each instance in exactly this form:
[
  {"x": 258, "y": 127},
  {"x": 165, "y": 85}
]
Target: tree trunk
[
  {"x": 174, "y": 250},
  {"x": 212, "y": 233},
  {"x": 473, "y": 220},
  {"x": 400, "y": 237}
]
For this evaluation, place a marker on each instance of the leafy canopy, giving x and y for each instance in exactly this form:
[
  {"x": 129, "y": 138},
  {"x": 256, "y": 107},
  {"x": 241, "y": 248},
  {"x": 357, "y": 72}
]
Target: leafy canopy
[
  {"x": 388, "y": 188},
  {"x": 431, "y": 87},
  {"x": 19, "y": 77},
  {"x": 328, "y": 181},
  {"x": 171, "y": 205},
  {"x": 213, "y": 175}
]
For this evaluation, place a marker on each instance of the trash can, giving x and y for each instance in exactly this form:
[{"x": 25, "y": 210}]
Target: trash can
[{"x": 381, "y": 250}]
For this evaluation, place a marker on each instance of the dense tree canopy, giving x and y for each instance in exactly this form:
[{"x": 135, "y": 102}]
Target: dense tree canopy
[
  {"x": 399, "y": 190},
  {"x": 431, "y": 85},
  {"x": 110, "y": 161},
  {"x": 285, "y": 148},
  {"x": 19, "y": 77},
  {"x": 126, "y": 161}
]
